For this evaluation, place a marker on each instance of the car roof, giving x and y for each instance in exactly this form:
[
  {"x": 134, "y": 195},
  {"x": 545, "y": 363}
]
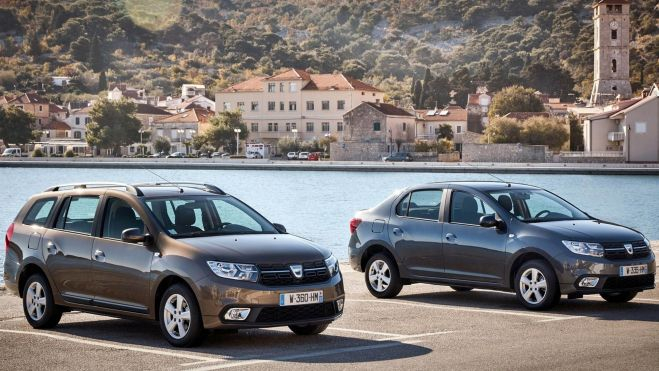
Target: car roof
[
  {"x": 159, "y": 189},
  {"x": 484, "y": 185}
]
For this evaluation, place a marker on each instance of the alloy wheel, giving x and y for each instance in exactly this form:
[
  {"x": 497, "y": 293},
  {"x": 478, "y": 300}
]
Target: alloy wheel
[
  {"x": 177, "y": 316},
  {"x": 533, "y": 286},
  {"x": 379, "y": 275},
  {"x": 36, "y": 301}
]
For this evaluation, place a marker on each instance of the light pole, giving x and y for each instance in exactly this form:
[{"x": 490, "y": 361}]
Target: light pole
[
  {"x": 294, "y": 138},
  {"x": 181, "y": 132},
  {"x": 237, "y": 131},
  {"x": 47, "y": 134},
  {"x": 142, "y": 141}
]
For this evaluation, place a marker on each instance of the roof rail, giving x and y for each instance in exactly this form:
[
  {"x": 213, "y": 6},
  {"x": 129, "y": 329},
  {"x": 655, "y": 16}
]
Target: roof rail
[
  {"x": 206, "y": 187},
  {"x": 88, "y": 185}
]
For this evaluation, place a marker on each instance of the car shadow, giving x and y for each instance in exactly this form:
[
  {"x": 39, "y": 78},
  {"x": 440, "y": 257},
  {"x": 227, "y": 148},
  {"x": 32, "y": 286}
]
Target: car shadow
[
  {"x": 588, "y": 306},
  {"x": 252, "y": 344}
]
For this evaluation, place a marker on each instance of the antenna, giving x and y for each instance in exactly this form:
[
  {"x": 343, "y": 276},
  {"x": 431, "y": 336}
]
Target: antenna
[
  {"x": 162, "y": 178},
  {"x": 492, "y": 175}
]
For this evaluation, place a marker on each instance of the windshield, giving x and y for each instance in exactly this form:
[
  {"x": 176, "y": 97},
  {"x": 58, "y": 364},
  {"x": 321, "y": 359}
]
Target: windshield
[
  {"x": 197, "y": 216},
  {"x": 533, "y": 206}
]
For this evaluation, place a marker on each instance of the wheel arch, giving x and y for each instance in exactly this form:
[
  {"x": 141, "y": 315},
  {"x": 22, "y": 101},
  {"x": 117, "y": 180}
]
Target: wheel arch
[
  {"x": 375, "y": 248},
  {"x": 163, "y": 285},
  {"x": 28, "y": 270},
  {"x": 522, "y": 257}
]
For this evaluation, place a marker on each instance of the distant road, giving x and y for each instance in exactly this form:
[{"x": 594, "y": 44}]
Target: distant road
[{"x": 371, "y": 166}]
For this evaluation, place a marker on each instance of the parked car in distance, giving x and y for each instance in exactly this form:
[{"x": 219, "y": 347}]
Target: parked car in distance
[
  {"x": 176, "y": 155},
  {"x": 220, "y": 155},
  {"x": 12, "y": 152},
  {"x": 500, "y": 236},
  {"x": 187, "y": 255},
  {"x": 291, "y": 155},
  {"x": 314, "y": 156},
  {"x": 158, "y": 155},
  {"x": 398, "y": 157},
  {"x": 303, "y": 156}
]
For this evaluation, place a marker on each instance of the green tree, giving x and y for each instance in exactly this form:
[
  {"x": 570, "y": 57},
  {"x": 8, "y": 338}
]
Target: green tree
[
  {"x": 576, "y": 133},
  {"x": 287, "y": 144},
  {"x": 515, "y": 99},
  {"x": 16, "y": 125},
  {"x": 462, "y": 85},
  {"x": 502, "y": 130},
  {"x": 544, "y": 131},
  {"x": 445, "y": 132},
  {"x": 162, "y": 145},
  {"x": 221, "y": 132},
  {"x": 80, "y": 49},
  {"x": 102, "y": 81},
  {"x": 34, "y": 44},
  {"x": 425, "y": 88},
  {"x": 416, "y": 99},
  {"x": 113, "y": 125},
  {"x": 96, "y": 58}
]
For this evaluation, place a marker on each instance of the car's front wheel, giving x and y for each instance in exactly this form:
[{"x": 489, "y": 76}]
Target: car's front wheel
[
  {"x": 536, "y": 285},
  {"x": 38, "y": 304},
  {"x": 382, "y": 277},
  {"x": 309, "y": 329},
  {"x": 619, "y": 297},
  {"x": 180, "y": 318}
]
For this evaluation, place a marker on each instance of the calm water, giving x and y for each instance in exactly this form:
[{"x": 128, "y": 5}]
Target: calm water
[{"x": 318, "y": 205}]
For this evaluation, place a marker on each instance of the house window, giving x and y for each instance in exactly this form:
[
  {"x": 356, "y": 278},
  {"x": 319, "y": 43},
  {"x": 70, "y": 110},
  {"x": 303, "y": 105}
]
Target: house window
[
  {"x": 255, "y": 106},
  {"x": 255, "y": 127},
  {"x": 325, "y": 127},
  {"x": 282, "y": 106},
  {"x": 293, "y": 87},
  {"x": 271, "y": 87},
  {"x": 458, "y": 129},
  {"x": 405, "y": 126},
  {"x": 281, "y": 87},
  {"x": 376, "y": 126},
  {"x": 271, "y": 106},
  {"x": 40, "y": 108},
  {"x": 78, "y": 121},
  {"x": 241, "y": 106},
  {"x": 292, "y": 106},
  {"x": 325, "y": 105},
  {"x": 88, "y": 120},
  {"x": 339, "y": 126},
  {"x": 310, "y": 126},
  {"x": 293, "y": 125},
  {"x": 341, "y": 104},
  {"x": 614, "y": 66},
  {"x": 363, "y": 93},
  {"x": 288, "y": 126},
  {"x": 614, "y": 34},
  {"x": 269, "y": 126},
  {"x": 310, "y": 105},
  {"x": 39, "y": 121},
  {"x": 275, "y": 126},
  {"x": 227, "y": 106},
  {"x": 77, "y": 135}
]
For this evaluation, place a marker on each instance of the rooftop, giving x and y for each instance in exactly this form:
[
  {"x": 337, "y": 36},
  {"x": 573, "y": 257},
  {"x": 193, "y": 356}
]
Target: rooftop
[
  {"x": 450, "y": 113},
  {"x": 526, "y": 115},
  {"x": 388, "y": 109},
  {"x": 192, "y": 116},
  {"x": 327, "y": 81}
]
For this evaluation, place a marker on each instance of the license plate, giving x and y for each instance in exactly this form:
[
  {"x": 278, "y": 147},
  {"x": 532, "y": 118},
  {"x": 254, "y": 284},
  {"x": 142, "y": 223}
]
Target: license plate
[
  {"x": 300, "y": 298},
  {"x": 633, "y": 270}
]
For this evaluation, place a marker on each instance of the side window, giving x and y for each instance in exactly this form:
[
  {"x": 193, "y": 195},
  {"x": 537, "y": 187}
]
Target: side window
[
  {"x": 401, "y": 208},
  {"x": 118, "y": 217},
  {"x": 77, "y": 214},
  {"x": 39, "y": 212},
  {"x": 468, "y": 209},
  {"x": 233, "y": 218},
  {"x": 425, "y": 204}
]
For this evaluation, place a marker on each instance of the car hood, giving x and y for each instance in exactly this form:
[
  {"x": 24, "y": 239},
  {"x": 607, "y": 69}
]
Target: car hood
[
  {"x": 590, "y": 231},
  {"x": 259, "y": 248}
]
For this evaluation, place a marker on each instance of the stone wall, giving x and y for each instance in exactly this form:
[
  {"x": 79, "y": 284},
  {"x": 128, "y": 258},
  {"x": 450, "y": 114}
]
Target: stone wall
[
  {"x": 357, "y": 151},
  {"x": 472, "y": 152}
]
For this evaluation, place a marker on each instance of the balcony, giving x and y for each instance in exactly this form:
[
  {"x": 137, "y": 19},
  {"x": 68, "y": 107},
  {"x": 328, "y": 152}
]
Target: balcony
[{"x": 616, "y": 136}]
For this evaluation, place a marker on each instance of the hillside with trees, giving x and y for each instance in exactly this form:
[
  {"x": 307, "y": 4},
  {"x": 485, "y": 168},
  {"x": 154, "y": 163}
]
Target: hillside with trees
[{"x": 448, "y": 44}]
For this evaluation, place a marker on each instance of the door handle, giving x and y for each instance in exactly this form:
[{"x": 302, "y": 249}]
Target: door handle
[
  {"x": 52, "y": 248},
  {"x": 99, "y": 256},
  {"x": 397, "y": 231},
  {"x": 450, "y": 237}
]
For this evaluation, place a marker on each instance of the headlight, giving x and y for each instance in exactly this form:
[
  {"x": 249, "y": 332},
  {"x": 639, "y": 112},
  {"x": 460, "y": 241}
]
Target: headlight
[
  {"x": 585, "y": 248},
  {"x": 241, "y": 272},
  {"x": 332, "y": 264}
]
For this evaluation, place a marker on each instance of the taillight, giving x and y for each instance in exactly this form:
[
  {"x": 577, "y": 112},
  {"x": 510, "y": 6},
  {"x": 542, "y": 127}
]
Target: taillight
[
  {"x": 8, "y": 236},
  {"x": 354, "y": 223}
]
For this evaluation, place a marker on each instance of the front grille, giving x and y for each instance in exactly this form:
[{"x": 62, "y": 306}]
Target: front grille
[
  {"x": 626, "y": 283},
  {"x": 617, "y": 251},
  {"x": 296, "y": 313},
  {"x": 280, "y": 274}
]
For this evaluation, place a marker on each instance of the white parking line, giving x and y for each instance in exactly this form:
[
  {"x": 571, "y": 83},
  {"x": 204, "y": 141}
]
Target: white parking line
[
  {"x": 463, "y": 309},
  {"x": 405, "y": 337},
  {"x": 644, "y": 299},
  {"x": 169, "y": 353},
  {"x": 364, "y": 331}
]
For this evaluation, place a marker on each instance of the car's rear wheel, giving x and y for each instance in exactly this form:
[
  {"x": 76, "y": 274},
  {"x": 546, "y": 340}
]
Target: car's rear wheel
[
  {"x": 619, "y": 297},
  {"x": 382, "y": 277},
  {"x": 38, "y": 304},
  {"x": 461, "y": 288},
  {"x": 180, "y": 318},
  {"x": 309, "y": 329},
  {"x": 536, "y": 285}
]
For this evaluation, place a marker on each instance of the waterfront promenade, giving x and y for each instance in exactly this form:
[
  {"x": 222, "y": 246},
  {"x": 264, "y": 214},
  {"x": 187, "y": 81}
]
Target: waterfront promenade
[{"x": 358, "y": 166}]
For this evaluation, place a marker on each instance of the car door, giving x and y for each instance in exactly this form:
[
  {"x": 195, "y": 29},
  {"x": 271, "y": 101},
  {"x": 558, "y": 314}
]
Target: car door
[
  {"x": 121, "y": 271},
  {"x": 416, "y": 233},
  {"x": 67, "y": 248},
  {"x": 472, "y": 252}
]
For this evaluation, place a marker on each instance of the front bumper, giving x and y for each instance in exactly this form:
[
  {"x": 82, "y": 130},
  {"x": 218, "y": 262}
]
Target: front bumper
[
  {"x": 574, "y": 268},
  {"x": 217, "y": 295}
]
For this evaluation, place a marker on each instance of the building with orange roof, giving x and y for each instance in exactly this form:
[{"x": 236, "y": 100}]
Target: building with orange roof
[{"x": 182, "y": 127}]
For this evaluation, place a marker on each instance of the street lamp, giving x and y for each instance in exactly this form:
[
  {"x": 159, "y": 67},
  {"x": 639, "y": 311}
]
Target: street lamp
[
  {"x": 294, "y": 131},
  {"x": 237, "y": 131},
  {"x": 141, "y": 131}
]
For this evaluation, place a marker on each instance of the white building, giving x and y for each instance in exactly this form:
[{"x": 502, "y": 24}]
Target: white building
[
  {"x": 61, "y": 81},
  {"x": 295, "y": 103},
  {"x": 190, "y": 90}
]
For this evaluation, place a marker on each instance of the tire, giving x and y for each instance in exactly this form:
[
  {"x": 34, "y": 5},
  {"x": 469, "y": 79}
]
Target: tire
[
  {"x": 461, "y": 288},
  {"x": 619, "y": 297},
  {"x": 381, "y": 267},
  {"x": 38, "y": 304},
  {"x": 540, "y": 289},
  {"x": 179, "y": 310},
  {"x": 307, "y": 330}
]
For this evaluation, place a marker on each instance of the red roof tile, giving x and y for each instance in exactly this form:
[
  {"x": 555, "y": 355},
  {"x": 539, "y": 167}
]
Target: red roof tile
[
  {"x": 147, "y": 109},
  {"x": 56, "y": 125},
  {"x": 54, "y": 108},
  {"x": 192, "y": 116},
  {"x": 388, "y": 109},
  {"x": 29, "y": 98},
  {"x": 315, "y": 82},
  {"x": 253, "y": 84},
  {"x": 291, "y": 74},
  {"x": 453, "y": 113}
]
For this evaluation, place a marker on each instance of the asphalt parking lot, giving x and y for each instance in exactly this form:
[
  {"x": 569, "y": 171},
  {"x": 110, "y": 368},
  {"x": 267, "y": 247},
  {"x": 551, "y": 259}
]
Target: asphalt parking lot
[{"x": 426, "y": 327}]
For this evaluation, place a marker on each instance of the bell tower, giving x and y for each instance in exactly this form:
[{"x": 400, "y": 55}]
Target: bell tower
[{"x": 611, "y": 73}]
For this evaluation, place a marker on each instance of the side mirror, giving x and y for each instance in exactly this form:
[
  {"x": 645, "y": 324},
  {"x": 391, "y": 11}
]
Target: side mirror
[
  {"x": 489, "y": 221},
  {"x": 280, "y": 228},
  {"x": 134, "y": 235}
]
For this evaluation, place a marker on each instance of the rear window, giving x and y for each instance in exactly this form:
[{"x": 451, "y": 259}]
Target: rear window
[
  {"x": 40, "y": 212},
  {"x": 78, "y": 213}
]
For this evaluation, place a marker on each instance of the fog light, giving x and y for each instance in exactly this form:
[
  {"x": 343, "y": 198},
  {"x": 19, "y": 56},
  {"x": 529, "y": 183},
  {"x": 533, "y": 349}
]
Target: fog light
[
  {"x": 237, "y": 314},
  {"x": 589, "y": 282},
  {"x": 339, "y": 305}
]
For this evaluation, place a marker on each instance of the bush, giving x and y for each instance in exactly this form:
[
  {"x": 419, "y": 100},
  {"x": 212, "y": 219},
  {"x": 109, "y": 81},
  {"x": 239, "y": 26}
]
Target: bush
[
  {"x": 502, "y": 130},
  {"x": 423, "y": 146},
  {"x": 69, "y": 153},
  {"x": 444, "y": 146},
  {"x": 37, "y": 153},
  {"x": 545, "y": 131}
]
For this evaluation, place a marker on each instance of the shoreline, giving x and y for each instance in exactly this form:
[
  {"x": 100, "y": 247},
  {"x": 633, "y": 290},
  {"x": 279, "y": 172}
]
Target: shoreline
[{"x": 358, "y": 166}]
